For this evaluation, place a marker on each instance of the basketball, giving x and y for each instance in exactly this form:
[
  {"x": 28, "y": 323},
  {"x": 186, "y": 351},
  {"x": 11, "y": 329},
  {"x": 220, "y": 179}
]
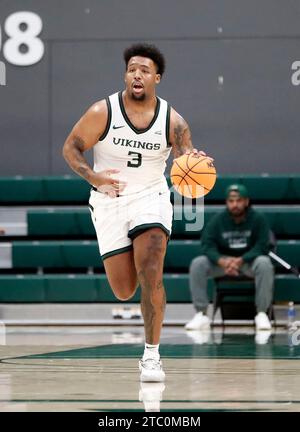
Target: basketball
[{"x": 193, "y": 177}]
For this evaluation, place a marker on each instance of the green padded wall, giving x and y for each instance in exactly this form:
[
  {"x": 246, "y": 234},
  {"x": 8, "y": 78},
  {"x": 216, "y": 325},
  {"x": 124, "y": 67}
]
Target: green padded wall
[
  {"x": 68, "y": 222},
  {"x": 94, "y": 288},
  {"x": 78, "y": 254},
  {"x": 73, "y": 189}
]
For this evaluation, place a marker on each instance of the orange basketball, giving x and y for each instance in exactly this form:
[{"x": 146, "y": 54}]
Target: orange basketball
[{"x": 193, "y": 176}]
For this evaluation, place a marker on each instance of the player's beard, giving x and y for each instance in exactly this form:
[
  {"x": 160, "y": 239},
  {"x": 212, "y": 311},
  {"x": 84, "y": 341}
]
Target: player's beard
[{"x": 138, "y": 98}]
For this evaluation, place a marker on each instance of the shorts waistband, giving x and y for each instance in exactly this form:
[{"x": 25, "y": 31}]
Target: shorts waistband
[{"x": 96, "y": 190}]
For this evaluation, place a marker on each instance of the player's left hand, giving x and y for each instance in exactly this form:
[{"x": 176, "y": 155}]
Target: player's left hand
[{"x": 198, "y": 153}]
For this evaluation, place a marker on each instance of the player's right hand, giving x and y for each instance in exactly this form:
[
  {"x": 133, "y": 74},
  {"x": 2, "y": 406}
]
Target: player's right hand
[
  {"x": 198, "y": 153},
  {"x": 104, "y": 183}
]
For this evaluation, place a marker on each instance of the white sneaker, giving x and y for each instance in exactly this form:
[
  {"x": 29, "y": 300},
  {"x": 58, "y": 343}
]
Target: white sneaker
[
  {"x": 151, "y": 370},
  {"x": 151, "y": 395},
  {"x": 262, "y": 322},
  {"x": 199, "y": 322}
]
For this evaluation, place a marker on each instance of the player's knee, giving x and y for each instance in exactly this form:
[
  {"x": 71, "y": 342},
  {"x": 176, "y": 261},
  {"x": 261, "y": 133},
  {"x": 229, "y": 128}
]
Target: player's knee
[
  {"x": 124, "y": 296},
  {"x": 152, "y": 263},
  {"x": 124, "y": 292},
  {"x": 152, "y": 289},
  {"x": 150, "y": 268}
]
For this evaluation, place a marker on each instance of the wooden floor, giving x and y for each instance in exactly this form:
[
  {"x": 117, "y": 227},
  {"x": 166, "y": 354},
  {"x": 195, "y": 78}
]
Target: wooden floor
[{"x": 96, "y": 369}]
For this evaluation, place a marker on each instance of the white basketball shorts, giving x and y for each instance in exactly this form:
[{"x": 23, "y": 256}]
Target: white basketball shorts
[{"x": 118, "y": 221}]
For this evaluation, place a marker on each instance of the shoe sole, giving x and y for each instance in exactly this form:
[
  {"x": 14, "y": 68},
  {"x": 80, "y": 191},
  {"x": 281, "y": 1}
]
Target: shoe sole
[
  {"x": 203, "y": 327},
  {"x": 144, "y": 378}
]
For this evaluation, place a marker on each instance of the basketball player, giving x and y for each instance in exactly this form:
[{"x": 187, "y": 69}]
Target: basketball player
[{"x": 132, "y": 133}]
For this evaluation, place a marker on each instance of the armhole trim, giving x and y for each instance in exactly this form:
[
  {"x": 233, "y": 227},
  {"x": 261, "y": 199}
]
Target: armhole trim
[
  {"x": 168, "y": 126},
  {"x": 107, "y": 127}
]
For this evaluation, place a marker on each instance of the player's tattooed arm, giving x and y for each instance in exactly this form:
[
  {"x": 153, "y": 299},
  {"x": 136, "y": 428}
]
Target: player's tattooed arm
[
  {"x": 180, "y": 136},
  {"x": 73, "y": 153},
  {"x": 84, "y": 135}
]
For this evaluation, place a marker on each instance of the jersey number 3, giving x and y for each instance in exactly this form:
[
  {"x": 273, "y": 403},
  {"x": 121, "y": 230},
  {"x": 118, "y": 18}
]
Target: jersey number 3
[{"x": 136, "y": 161}]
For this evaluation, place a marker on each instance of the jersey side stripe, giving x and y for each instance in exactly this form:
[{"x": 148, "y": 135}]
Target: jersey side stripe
[
  {"x": 168, "y": 126},
  {"x": 107, "y": 127}
]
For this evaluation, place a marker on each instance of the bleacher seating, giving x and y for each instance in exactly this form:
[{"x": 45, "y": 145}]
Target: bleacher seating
[
  {"x": 90, "y": 288},
  {"x": 55, "y": 260},
  {"x": 84, "y": 254},
  {"x": 72, "y": 189},
  {"x": 69, "y": 223}
]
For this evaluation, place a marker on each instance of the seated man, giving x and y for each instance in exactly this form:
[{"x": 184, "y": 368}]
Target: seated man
[{"x": 234, "y": 242}]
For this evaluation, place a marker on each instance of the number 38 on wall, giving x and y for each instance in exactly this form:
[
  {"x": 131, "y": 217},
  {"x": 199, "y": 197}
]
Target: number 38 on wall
[{"x": 23, "y": 47}]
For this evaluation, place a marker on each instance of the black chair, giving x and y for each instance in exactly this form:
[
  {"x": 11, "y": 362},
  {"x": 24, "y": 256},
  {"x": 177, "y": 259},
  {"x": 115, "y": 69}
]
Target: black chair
[{"x": 234, "y": 295}]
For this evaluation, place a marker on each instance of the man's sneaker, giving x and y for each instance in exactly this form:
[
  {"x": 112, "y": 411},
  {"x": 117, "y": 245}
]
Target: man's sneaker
[
  {"x": 199, "y": 322},
  {"x": 151, "y": 370},
  {"x": 262, "y": 322}
]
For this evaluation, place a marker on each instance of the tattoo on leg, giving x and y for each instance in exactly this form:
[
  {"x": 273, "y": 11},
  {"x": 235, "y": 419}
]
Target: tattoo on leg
[
  {"x": 164, "y": 301},
  {"x": 153, "y": 299},
  {"x": 159, "y": 285},
  {"x": 147, "y": 307},
  {"x": 153, "y": 313},
  {"x": 156, "y": 241}
]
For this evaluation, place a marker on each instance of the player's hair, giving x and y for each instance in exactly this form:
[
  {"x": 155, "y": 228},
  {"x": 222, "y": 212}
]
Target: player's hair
[{"x": 146, "y": 50}]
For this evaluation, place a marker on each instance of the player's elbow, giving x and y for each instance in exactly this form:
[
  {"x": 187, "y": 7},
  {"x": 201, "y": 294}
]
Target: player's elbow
[
  {"x": 67, "y": 149},
  {"x": 63, "y": 151},
  {"x": 74, "y": 144}
]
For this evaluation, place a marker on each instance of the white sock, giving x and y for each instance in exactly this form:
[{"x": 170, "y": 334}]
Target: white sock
[{"x": 151, "y": 351}]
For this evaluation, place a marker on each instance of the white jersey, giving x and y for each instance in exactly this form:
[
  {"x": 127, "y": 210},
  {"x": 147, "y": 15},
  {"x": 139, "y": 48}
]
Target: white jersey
[{"x": 139, "y": 154}]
